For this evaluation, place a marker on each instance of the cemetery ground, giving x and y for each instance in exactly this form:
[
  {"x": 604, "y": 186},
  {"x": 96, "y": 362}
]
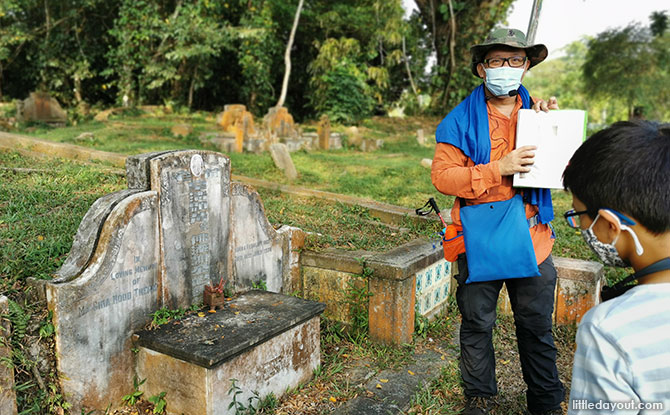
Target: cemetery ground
[{"x": 42, "y": 202}]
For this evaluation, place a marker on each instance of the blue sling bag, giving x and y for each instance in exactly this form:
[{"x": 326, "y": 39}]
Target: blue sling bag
[{"x": 497, "y": 241}]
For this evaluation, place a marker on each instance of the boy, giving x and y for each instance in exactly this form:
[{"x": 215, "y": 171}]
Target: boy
[{"x": 620, "y": 184}]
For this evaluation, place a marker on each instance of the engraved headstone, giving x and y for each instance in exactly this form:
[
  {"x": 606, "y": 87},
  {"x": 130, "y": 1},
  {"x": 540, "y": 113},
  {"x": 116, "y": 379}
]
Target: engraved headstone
[
  {"x": 180, "y": 226},
  {"x": 96, "y": 312},
  {"x": 193, "y": 188}
]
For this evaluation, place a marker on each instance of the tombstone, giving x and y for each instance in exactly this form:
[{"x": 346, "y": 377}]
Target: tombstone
[
  {"x": 231, "y": 113},
  {"x": 282, "y": 158},
  {"x": 41, "y": 107},
  {"x": 179, "y": 226},
  {"x": 420, "y": 138},
  {"x": 7, "y": 394},
  {"x": 354, "y": 138},
  {"x": 324, "y": 132},
  {"x": 181, "y": 130},
  {"x": 280, "y": 122},
  {"x": 369, "y": 144}
]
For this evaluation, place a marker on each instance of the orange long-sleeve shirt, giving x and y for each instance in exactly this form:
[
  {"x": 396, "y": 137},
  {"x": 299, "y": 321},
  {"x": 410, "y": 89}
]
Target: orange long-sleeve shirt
[{"x": 454, "y": 173}]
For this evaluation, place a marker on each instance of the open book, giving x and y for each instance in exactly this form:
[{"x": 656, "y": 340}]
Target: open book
[{"x": 557, "y": 135}]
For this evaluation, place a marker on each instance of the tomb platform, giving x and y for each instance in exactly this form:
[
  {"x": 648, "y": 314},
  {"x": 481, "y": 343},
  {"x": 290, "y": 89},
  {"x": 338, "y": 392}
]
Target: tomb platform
[{"x": 264, "y": 342}]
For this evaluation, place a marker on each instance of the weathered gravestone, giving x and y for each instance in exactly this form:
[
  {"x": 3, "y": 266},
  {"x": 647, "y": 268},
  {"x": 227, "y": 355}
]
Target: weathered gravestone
[
  {"x": 40, "y": 106},
  {"x": 278, "y": 121},
  {"x": 282, "y": 159},
  {"x": 181, "y": 225}
]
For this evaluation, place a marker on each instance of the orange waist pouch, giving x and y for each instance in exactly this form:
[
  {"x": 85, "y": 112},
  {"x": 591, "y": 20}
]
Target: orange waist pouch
[{"x": 452, "y": 242}]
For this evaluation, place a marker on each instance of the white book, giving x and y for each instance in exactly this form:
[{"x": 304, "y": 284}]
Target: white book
[{"x": 557, "y": 135}]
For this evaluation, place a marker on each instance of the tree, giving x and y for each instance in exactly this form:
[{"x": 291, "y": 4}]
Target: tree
[
  {"x": 454, "y": 27},
  {"x": 621, "y": 66}
]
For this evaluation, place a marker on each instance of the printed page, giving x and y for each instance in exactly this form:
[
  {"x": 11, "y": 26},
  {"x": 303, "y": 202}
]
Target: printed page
[{"x": 557, "y": 135}]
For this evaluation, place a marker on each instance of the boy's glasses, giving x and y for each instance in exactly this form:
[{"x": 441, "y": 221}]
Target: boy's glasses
[{"x": 572, "y": 217}]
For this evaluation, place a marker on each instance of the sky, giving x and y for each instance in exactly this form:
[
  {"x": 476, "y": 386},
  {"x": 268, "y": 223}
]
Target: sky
[{"x": 564, "y": 21}]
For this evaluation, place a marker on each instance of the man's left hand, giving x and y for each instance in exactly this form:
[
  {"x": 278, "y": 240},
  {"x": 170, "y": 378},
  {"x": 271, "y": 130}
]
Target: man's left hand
[{"x": 542, "y": 105}]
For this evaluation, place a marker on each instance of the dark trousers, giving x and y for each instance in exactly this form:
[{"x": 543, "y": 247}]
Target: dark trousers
[{"x": 532, "y": 301}]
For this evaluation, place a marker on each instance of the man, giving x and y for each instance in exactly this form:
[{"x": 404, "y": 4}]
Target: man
[
  {"x": 475, "y": 161},
  {"x": 621, "y": 199}
]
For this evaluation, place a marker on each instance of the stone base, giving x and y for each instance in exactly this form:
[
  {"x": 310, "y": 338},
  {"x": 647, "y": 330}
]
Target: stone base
[{"x": 266, "y": 342}]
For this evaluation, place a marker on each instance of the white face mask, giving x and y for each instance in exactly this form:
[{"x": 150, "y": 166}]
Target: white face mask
[
  {"x": 608, "y": 253},
  {"x": 500, "y": 81}
]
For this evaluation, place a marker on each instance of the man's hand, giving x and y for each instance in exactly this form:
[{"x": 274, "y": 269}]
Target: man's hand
[
  {"x": 518, "y": 161},
  {"x": 542, "y": 105}
]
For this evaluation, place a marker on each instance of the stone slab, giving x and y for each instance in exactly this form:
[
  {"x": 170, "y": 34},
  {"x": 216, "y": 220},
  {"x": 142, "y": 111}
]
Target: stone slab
[
  {"x": 275, "y": 366},
  {"x": 245, "y": 322},
  {"x": 282, "y": 159},
  {"x": 7, "y": 394},
  {"x": 395, "y": 395}
]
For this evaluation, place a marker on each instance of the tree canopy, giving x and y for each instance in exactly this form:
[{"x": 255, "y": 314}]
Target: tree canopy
[{"x": 205, "y": 54}]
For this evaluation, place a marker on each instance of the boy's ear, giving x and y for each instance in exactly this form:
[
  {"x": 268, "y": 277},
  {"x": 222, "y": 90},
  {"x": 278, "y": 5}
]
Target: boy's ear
[{"x": 614, "y": 224}]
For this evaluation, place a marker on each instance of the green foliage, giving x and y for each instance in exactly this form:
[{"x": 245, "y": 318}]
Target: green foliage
[
  {"x": 255, "y": 404},
  {"x": 629, "y": 67},
  {"x": 165, "y": 315},
  {"x": 260, "y": 285},
  {"x": 159, "y": 403},
  {"x": 132, "y": 398},
  {"x": 339, "y": 82}
]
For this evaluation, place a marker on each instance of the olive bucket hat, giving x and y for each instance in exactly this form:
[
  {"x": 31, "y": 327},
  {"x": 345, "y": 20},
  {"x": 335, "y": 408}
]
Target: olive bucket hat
[{"x": 507, "y": 37}]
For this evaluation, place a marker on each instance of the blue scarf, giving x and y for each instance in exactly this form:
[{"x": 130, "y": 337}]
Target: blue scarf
[{"x": 467, "y": 128}]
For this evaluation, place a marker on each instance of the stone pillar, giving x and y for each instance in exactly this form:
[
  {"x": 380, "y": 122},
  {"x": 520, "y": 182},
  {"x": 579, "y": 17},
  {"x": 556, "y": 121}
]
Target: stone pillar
[{"x": 577, "y": 289}]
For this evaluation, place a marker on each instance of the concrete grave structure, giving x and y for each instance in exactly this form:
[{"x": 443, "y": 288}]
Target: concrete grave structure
[
  {"x": 40, "y": 106},
  {"x": 180, "y": 225},
  {"x": 273, "y": 337},
  {"x": 279, "y": 122}
]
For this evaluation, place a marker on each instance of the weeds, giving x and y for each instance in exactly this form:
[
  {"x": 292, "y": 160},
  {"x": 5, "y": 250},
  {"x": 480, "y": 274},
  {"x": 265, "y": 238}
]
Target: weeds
[
  {"x": 165, "y": 315},
  {"x": 132, "y": 398},
  {"x": 255, "y": 404},
  {"x": 159, "y": 403}
]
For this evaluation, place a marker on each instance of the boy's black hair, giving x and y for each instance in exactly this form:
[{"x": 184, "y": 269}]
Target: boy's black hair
[{"x": 625, "y": 167}]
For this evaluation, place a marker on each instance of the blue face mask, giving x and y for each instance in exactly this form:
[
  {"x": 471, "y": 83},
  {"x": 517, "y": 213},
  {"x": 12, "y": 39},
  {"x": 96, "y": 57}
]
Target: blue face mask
[{"x": 500, "y": 81}]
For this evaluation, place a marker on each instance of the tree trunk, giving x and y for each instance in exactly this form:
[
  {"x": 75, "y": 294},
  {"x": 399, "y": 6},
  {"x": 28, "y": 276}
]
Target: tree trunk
[
  {"x": 191, "y": 88},
  {"x": 475, "y": 20},
  {"x": 287, "y": 56},
  {"x": 409, "y": 72}
]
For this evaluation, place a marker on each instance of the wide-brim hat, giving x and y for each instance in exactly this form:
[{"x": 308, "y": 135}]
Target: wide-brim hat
[{"x": 507, "y": 37}]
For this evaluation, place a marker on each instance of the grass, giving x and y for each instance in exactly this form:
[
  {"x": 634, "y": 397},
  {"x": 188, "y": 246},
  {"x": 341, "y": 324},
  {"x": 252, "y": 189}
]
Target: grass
[{"x": 42, "y": 203}]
